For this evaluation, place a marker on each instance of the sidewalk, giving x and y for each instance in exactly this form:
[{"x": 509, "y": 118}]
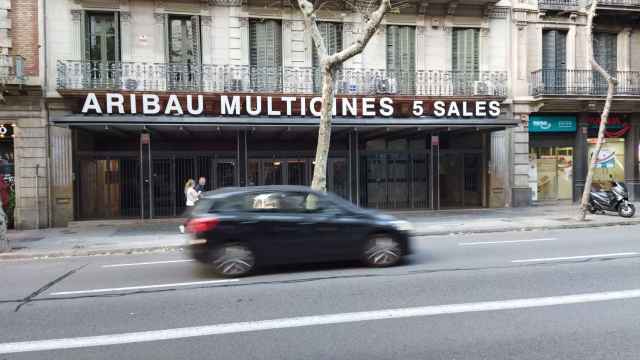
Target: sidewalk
[{"x": 124, "y": 237}]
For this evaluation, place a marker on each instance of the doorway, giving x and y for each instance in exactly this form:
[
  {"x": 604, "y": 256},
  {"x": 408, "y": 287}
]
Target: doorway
[{"x": 460, "y": 179}]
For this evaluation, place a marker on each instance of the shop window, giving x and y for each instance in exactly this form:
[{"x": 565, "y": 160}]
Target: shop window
[
  {"x": 7, "y": 172},
  {"x": 610, "y": 162},
  {"x": 551, "y": 173}
]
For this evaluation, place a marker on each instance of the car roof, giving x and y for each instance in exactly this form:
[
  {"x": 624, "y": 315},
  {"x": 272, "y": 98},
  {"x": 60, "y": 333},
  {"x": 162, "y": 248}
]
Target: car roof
[{"x": 227, "y": 191}]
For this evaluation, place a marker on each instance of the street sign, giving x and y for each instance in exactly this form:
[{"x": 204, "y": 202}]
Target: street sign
[{"x": 145, "y": 138}]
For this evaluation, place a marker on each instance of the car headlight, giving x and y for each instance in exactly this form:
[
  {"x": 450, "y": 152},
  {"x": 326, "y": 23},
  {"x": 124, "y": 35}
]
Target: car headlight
[{"x": 402, "y": 225}]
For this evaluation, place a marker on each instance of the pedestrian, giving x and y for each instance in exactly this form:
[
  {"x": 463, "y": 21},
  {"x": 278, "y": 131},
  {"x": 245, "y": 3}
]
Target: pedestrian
[
  {"x": 200, "y": 187},
  {"x": 190, "y": 193}
]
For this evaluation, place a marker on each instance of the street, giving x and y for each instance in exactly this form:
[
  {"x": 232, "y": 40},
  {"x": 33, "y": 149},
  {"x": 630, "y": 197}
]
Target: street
[{"x": 558, "y": 294}]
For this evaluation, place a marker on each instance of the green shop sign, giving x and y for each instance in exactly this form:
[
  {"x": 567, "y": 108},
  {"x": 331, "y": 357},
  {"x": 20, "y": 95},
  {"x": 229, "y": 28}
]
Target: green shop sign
[{"x": 552, "y": 123}]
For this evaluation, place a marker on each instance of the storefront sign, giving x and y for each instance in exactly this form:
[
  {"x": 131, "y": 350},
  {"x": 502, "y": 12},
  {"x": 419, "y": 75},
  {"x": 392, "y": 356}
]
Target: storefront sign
[
  {"x": 551, "y": 123},
  {"x": 616, "y": 126},
  {"x": 256, "y": 105}
]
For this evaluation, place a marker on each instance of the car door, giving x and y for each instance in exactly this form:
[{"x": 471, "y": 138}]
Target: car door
[
  {"x": 334, "y": 232},
  {"x": 281, "y": 234}
]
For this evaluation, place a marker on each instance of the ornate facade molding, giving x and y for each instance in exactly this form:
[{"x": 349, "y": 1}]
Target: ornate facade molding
[
  {"x": 206, "y": 20},
  {"x": 125, "y": 16},
  {"x": 76, "y": 14},
  {"x": 225, "y": 2},
  {"x": 159, "y": 17}
]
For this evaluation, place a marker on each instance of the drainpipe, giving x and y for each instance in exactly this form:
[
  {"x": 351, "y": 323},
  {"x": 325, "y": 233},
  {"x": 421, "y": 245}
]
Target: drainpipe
[{"x": 37, "y": 197}]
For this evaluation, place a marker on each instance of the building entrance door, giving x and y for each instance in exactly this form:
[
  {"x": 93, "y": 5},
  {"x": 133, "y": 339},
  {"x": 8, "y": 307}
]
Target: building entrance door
[{"x": 460, "y": 179}]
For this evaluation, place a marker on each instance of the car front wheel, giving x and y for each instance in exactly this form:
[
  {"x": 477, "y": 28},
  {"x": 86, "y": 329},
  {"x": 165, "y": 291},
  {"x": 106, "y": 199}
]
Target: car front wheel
[
  {"x": 233, "y": 260},
  {"x": 382, "y": 250}
]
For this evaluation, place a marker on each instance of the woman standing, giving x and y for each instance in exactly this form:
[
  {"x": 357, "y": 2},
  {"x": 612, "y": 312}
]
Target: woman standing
[{"x": 190, "y": 193}]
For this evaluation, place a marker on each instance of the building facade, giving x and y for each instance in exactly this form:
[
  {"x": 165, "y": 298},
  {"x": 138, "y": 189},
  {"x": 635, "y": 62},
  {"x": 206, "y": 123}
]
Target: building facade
[
  {"x": 452, "y": 104},
  {"x": 151, "y": 93},
  {"x": 24, "y": 169},
  {"x": 562, "y": 98}
]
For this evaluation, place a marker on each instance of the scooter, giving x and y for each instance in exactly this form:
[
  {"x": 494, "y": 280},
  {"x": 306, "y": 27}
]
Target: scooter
[{"x": 615, "y": 200}]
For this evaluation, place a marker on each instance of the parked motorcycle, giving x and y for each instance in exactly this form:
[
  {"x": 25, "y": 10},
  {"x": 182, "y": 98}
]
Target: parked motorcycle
[{"x": 615, "y": 200}]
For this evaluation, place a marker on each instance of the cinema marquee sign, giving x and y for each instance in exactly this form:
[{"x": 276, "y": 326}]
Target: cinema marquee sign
[{"x": 257, "y": 105}]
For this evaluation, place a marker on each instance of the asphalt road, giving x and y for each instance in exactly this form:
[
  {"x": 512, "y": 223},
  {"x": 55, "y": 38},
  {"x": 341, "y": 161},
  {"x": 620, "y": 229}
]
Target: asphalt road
[{"x": 566, "y": 294}]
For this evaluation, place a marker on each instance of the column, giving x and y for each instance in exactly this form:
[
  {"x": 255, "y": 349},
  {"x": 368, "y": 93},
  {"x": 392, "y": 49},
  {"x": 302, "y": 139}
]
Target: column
[
  {"x": 354, "y": 167},
  {"x": 76, "y": 35},
  {"x": 126, "y": 37},
  {"x": 241, "y": 158},
  {"x": 631, "y": 171},
  {"x": 520, "y": 191},
  {"x": 434, "y": 191},
  {"x": 580, "y": 157},
  {"x": 207, "y": 39}
]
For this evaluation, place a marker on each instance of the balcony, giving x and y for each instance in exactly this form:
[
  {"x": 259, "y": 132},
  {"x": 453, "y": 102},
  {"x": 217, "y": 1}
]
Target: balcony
[
  {"x": 582, "y": 83},
  {"x": 12, "y": 70},
  {"x": 558, "y": 5},
  {"x": 633, "y": 5},
  {"x": 90, "y": 76}
]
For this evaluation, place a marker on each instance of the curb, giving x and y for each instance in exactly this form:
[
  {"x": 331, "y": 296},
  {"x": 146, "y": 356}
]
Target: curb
[
  {"x": 528, "y": 228},
  {"x": 96, "y": 252},
  {"x": 159, "y": 249}
]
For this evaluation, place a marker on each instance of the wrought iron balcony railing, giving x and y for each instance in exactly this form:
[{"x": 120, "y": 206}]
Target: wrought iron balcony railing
[
  {"x": 12, "y": 69},
  {"x": 558, "y": 5},
  {"x": 77, "y": 75},
  {"x": 582, "y": 83},
  {"x": 612, "y": 4}
]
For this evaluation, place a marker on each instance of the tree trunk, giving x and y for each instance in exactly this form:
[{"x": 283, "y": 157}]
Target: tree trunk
[
  {"x": 324, "y": 131},
  {"x": 604, "y": 117}
]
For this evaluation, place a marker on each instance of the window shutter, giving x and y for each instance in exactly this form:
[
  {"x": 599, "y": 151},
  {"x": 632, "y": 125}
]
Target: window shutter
[
  {"x": 401, "y": 62},
  {"x": 265, "y": 54},
  {"x": 332, "y": 35},
  {"x": 466, "y": 54},
  {"x": 116, "y": 23},
  {"x": 195, "y": 39}
]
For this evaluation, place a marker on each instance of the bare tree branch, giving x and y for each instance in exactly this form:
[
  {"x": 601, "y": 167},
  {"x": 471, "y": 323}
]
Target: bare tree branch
[{"x": 604, "y": 116}]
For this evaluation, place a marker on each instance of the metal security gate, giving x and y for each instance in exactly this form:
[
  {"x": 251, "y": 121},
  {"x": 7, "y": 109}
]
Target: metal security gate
[
  {"x": 110, "y": 186},
  {"x": 107, "y": 186}
]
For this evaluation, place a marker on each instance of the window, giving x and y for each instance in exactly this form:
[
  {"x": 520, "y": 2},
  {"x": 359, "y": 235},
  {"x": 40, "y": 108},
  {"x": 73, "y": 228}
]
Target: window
[
  {"x": 276, "y": 201},
  {"x": 554, "y": 60},
  {"x": 102, "y": 48},
  {"x": 401, "y": 61},
  {"x": 332, "y": 35},
  {"x": 265, "y": 55},
  {"x": 605, "y": 50},
  {"x": 465, "y": 59},
  {"x": 183, "y": 52}
]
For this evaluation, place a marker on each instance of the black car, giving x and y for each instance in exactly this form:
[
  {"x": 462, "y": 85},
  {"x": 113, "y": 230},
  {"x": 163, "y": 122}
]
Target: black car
[{"x": 237, "y": 229}]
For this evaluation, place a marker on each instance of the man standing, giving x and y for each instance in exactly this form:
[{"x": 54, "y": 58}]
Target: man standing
[{"x": 200, "y": 187}]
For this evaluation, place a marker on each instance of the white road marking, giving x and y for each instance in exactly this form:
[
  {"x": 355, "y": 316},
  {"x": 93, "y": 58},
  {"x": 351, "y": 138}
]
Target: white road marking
[
  {"x": 147, "y": 263},
  {"x": 504, "y": 242},
  {"x": 314, "y": 320},
  {"x": 576, "y": 257},
  {"x": 142, "y": 287}
]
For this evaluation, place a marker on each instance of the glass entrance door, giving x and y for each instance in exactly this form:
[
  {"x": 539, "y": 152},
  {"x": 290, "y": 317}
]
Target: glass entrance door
[
  {"x": 396, "y": 180},
  {"x": 225, "y": 173}
]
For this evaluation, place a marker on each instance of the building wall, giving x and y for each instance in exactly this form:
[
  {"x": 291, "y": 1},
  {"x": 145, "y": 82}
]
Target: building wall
[{"x": 24, "y": 33}]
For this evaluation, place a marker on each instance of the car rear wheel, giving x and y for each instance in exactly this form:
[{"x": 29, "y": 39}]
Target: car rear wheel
[
  {"x": 233, "y": 260},
  {"x": 382, "y": 250}
]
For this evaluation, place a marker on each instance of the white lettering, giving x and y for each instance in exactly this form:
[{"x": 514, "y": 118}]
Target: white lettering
[
  {"x": 439, "y": 108},
  {"x": 465, "y": 111},
  {"x": 349, "y": 107},
  {"x": 453, "y": 109},
  {"x": 150, "y": 104},
  {"x": 418, "y": 109},
  {"x": 481, "y": 108},
  {"x": 91, "y": 103},
  {"x": 334, "y": 107},
  {"x": 173, "y": 104},
  {"x": 115, "y": 100},
  {"x": 288, "y": 100},
  {"x": 258, "y": 109},
  {"x": 303, "y": 106},
  {"x": 312, "y": 106},
  {"x": 190, "y": 108},
  {"x": 386, "y": 106},
  {"x": 494, "y": 108},
  {"x": 133, "y": 104},
  {"x": 232, "y": 108},
  {"x": 368, "y": 107},
  {"x": 270, "y": 110}
]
